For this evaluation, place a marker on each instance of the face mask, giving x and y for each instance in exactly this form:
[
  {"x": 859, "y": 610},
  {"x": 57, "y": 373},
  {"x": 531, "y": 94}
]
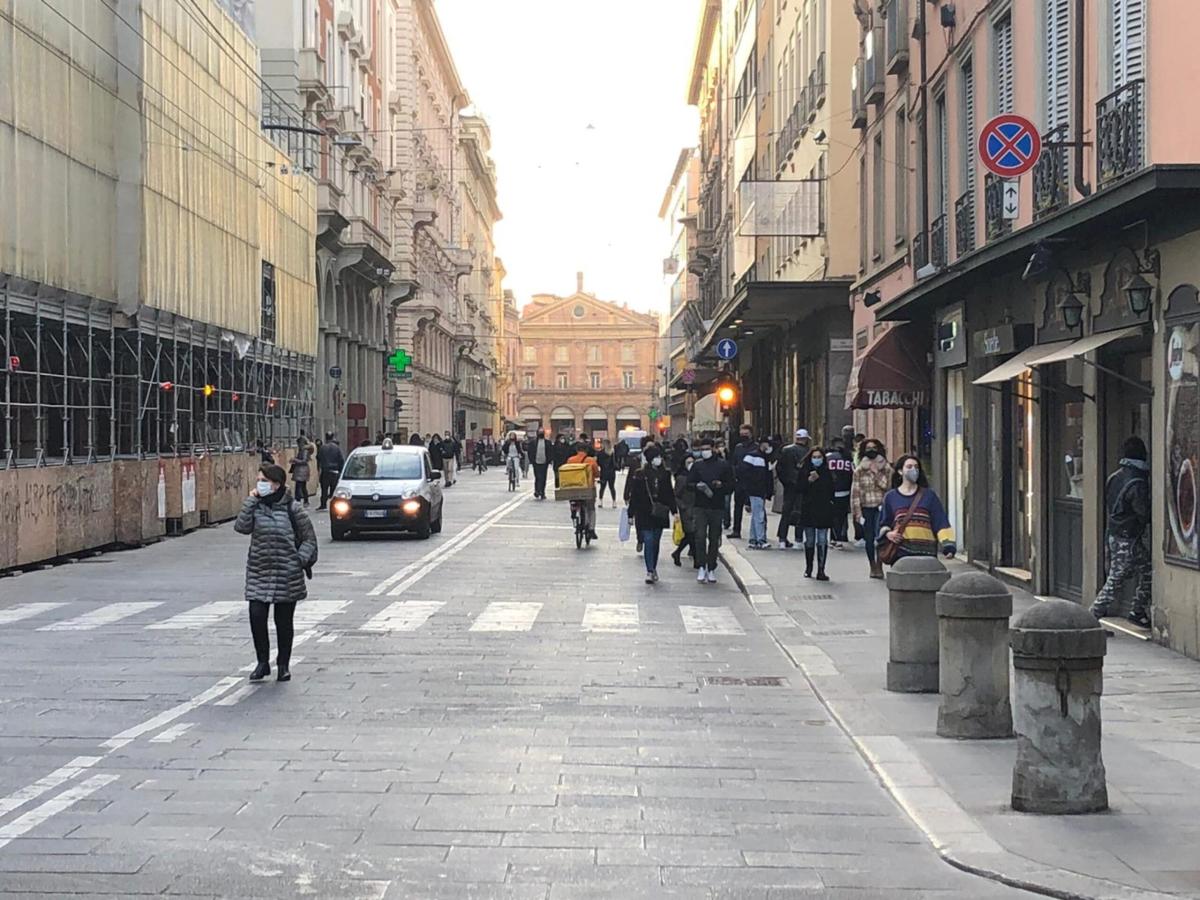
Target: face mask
[
  {"x": 818, "y": 461},
  {"x": 913, "y": 475},
  {"x": 264, "y": 488},
  {"x": 657, "y": 461},
  {"x": 689, "y": 462},
  {"x": 871, "y": 453},
  {"x": 765, "y": 448},
  {"x": 706, "y": 454}
]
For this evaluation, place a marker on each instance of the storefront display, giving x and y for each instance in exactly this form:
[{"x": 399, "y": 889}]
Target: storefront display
[{"x": 1182, "y": 544}]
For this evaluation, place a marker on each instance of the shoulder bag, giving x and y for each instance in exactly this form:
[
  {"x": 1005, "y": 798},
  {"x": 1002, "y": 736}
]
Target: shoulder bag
[{"x": 887, "y": 552}]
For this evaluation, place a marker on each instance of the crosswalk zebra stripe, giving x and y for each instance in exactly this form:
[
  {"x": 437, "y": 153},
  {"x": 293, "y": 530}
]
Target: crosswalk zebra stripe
[
  {"x": 26, "y": 611},
  {"x": 610, "y": 617},
  {"x": 404, "y": 615},
  {"x": 207, "y": 614},
  {"x": 710, "y": 620},
  {"x": 311, "y": 613},
  {"x": 503, "y": 615},
  {"x": 105, "y": 615}
]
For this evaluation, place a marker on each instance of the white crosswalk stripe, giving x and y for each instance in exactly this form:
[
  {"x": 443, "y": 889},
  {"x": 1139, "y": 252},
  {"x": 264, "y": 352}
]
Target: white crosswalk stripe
[
  {"x": 404, "y": 615},
  {"x": 168, "y": 735},
  {"x": 507, "y": 616},
  {"x": 200, "y": 616},
  {"x": 311, "y": 613},
  {"x": 26, "y": 611},
  {"x": 710, "y": 620},
  {"x": 610, "y": 617},
  {"x": 105, "y": 615}
]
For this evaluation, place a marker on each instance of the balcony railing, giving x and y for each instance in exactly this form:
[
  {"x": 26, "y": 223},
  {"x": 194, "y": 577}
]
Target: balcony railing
[
  {"x": 873, "y": 86},
  {"x": 994, "y": 223},
  {"x": 788, "y": 135},
  {"x": 896, "y": 43},
  {"x": 1050, "y": 186},
  {"x": 818, "y": 89},
  {"x": 964, "y": 224},
  {"x": 937, "y": 242},
  {"x": 1120, "y": 130},
  {"x": 920, "y": 251},
  {"x": 858, "y": 106}
]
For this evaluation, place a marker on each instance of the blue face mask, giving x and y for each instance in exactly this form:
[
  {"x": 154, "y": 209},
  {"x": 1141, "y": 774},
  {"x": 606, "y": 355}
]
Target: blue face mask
[{"x": 818, "y": 462}]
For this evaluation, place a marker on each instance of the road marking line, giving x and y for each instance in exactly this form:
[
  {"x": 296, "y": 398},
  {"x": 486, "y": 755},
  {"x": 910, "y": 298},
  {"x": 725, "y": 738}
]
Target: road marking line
[
  {"x": 193, "y": 619},
  {"x": 168, "y": 735},
  {"x": 610, "y": 617},
  {"x": 48, "y": 783},
  {"x": 404, "y": 615},
  {"x": 52, "y": 807},
  {"x": 231, "y": 699},
  {"x": 461, "y": 545},
  {"x": 502, "y": 615},
  {"x": 311, "y": 613},
  {"x": 105, "y": 615},
  {"x": 710, "y": 620},
  {"x": 384, "y": 586},
  {"x": 170, "y": 715},
  {"x": 26, "y": 611},
  {"x": 328, "y": 638}
]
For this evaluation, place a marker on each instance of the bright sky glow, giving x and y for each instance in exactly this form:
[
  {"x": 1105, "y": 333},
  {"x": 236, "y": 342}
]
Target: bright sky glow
[{"x": 587, "y": 106}]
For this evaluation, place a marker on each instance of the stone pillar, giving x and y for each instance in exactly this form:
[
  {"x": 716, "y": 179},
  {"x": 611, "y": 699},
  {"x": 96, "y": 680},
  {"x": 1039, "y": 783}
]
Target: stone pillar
[
  {"x": 912, "y": 624},
  {"x": 973, "y": 610},
  {"x": 1058, "y": 661}
]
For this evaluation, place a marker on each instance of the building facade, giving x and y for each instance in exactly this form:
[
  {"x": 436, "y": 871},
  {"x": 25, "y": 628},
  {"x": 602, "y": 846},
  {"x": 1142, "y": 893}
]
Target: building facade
[
  {"x": 679, "y": 211},
  {"x": 775, "y": 156},
  {"x": 1052, "y": 328},
  {"x": 586, "y": 365}
]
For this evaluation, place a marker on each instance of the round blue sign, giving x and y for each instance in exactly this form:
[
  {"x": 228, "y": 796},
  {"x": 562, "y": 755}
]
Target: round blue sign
[{"x": 727, "y": 348}]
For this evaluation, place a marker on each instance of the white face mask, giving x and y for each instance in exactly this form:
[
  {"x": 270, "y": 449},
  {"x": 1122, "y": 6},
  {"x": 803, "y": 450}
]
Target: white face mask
[
  {"x": 706, "y": 454},
  {"x": 657, "y": 461},
  {"x": 264, "y": 488}
]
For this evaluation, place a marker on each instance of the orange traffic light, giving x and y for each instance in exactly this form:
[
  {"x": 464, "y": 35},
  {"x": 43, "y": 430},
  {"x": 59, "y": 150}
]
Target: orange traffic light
[{"x": 727, "y": 394}]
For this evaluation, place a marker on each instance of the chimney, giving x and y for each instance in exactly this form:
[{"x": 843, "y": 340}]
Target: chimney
[{"x": 579, "y": 282}]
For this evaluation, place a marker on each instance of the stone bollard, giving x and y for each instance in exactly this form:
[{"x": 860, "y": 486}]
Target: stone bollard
[
  {"x": 973, "y": 610},
  {"x": 912, "y": 624},
  {"x": 1058, "y": 658}
]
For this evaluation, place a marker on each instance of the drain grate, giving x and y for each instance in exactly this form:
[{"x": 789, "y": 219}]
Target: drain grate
[
  {"x": 838, "y": 632},
  {"x": 753, "y": 681},
  {"x": 814, "y": 596}
]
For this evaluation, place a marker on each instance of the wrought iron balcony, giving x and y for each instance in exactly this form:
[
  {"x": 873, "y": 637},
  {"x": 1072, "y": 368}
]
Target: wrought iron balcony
[
  {"x": 858, "y": 107},
  {"x": 964, "y": 224},
  {"x": 937, "y": 242},
  {"x": 994, "y": 223},
  {"x": 896, "y": 42},
  {"x": 788, "y": 135},
  {"x": 1051, "y": 190},
  {"x": 818, "y": 98},
  {"x": 920, "y": 251},
  {"x": 1120, "y": 134}
]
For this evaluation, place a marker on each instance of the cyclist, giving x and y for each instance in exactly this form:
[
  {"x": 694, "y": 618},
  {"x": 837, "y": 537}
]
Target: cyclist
[
  {"x": 587, "y": 507},
  {"x": 512, "y": 457}
]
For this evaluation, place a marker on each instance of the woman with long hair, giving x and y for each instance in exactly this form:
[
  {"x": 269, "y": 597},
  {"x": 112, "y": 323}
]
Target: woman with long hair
[
  {"x": 912, "y": 517},
  {"x": 872, "y": 480}
]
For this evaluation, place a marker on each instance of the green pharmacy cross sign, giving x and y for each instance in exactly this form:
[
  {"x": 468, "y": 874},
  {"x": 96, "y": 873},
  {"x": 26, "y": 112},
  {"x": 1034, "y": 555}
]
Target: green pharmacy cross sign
[{"x": 400, "y": 360}]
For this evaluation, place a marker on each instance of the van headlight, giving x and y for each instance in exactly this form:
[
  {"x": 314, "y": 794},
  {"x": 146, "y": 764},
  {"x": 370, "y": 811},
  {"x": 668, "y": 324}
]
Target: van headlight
[
  {"x": 411, "y": 507},
  {"x": 340, "y": 508}
]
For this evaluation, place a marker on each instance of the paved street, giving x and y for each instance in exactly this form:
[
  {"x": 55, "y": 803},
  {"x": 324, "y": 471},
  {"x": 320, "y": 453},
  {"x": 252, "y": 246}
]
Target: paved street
[{"x": 489, "y": 713}]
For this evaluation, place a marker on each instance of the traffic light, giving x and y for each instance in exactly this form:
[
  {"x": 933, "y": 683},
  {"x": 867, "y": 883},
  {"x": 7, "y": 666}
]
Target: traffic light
[
  {"x": 727, "y": 394},
  {"x": 209, "y": 390}
]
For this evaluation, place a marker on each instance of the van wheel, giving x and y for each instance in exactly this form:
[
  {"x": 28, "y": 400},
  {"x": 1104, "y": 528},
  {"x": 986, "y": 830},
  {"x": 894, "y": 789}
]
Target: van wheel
[
  {"x": 436, "y": 528},
  {"x": 338, "y": 534},
  {"x": 424, "y": 529}
]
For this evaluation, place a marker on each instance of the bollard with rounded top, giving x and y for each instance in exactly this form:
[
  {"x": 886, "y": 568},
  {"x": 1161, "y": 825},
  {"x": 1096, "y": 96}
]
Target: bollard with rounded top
[
  {"x": 973, "y": 610},
  {"x": 912, "y": 624},
  {"x": 1058, "y": 661}
]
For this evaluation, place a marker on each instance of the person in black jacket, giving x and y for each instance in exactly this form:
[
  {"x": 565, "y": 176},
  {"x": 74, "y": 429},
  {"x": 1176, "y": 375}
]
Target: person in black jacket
[
  {"x": 541, "y": 454},
  {"x": 435, "y": 451},
  {"x": 621, "y": 453},
  {"x": 330, "y": 460},
  {"x": 841, "y": 467},
  {"x": 416, "y": 440},
  {"x": 740, "y": 498},
  {"x": 562, "y": 452},
  {"x": 608, "y": 471},
  {"x": 816, "y": 511},
  {"x": 651, "y": 504},
  {"x": 757, "y": 485},
  {"x": 712, "y": 480},
  {"x": 685, "y": 499},
  {"x": 787, "y": 470},
  {"x": 1127, "y": 501}
]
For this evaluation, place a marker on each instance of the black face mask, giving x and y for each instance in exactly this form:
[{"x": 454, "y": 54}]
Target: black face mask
[{"x": 871, "y": 453}]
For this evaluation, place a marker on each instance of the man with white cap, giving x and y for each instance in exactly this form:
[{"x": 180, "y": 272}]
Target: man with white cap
[{"x": 788, "y": 472}]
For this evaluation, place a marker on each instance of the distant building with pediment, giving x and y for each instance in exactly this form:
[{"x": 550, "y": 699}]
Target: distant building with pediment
[{"x": 586, "y": 365}]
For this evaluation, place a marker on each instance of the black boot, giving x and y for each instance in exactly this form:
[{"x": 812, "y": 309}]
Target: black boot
[
  {"x": 261, "y": 672},
  {"x": 675, "y": 558},
  {"x": 822, "y": 555},
  {"x": 808, "y": 561}
]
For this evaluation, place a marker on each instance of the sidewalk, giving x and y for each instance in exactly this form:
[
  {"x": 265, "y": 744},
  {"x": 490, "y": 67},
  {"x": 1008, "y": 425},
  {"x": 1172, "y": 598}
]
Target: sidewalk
[{"x": 957, "y": 792}]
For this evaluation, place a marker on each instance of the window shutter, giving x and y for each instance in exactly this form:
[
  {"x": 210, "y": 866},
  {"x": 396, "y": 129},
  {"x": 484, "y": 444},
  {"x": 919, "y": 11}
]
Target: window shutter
[
  {"x": 1004, "y": 66},
  {"x": 943, "y": 161},
  {"x": 1129, "y": 33},
  {"x": 1058, "y": 63},
  {"x": 969, "y": 135}
]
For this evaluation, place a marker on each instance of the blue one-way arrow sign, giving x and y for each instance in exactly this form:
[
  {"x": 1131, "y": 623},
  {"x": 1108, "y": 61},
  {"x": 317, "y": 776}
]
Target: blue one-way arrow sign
[{"x": 727, "y": 348}]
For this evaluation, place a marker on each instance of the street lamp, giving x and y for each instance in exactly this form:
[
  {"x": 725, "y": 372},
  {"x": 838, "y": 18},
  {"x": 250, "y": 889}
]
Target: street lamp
[
  {"x": 1070, "y": 307},
  {"x": 1138, "y": 291}
]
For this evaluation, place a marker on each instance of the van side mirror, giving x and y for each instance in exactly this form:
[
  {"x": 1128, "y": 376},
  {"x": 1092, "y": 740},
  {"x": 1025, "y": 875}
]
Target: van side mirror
[{"x": 435, "y": 475}]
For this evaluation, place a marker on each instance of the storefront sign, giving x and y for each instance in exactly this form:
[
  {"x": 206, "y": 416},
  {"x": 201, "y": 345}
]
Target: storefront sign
[
  {"x": 995, "y": 341},
  {"x": 895, "y": 399},
  {"x": 841, "y": 345},
  {"x": 1181, "y": 541}
]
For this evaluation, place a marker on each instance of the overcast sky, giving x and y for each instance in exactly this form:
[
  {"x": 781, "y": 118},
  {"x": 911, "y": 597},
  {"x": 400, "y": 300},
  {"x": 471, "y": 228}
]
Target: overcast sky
[{"x": 576, "y": 197}]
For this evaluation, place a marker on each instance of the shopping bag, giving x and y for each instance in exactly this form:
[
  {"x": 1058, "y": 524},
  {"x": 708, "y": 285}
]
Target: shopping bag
[
  {"x": 677, "y": 531},
  {"x": 623, "y": 525}
]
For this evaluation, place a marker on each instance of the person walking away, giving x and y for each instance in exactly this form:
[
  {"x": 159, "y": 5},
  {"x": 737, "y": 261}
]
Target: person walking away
[
  {"x": 912, "y": 516},
  {"x": 685, "y": 502},
  {"x": 1127, "y": 502},
  {"x": 841, "y": 467},
  {"x": 756, "y": 484},
  {"x": 587, "y": 507},
  {"x": 787, "y": 470},
  {"x": 608, "y": 472},
  {"x": 621, "y": 454},
  {"x": 301, "y": 471},
  {"x": 448, "y": 459},
  {"x": 872, "y": 480},
  {"x": 740, "y": 500},
  {"x": 330, "y": 460},
  {"x": 712, "y": 480},
  {"x": 816, "y": 511},
  {"x": 283, "y": 549},
  {"x": 541, "y": 454},
  {"x": 562, "y": 450},
  {"x": 651, "y": 503}
]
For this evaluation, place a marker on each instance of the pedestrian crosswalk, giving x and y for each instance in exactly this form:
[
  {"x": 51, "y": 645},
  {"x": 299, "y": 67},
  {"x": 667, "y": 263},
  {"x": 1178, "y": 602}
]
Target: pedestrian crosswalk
[{"x": 367, "y": 617}]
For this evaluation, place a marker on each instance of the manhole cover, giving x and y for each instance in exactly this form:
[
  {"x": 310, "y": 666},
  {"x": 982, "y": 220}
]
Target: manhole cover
[
  {"x": 754, "y": 681},
  {"x": 838, "y": 632}
]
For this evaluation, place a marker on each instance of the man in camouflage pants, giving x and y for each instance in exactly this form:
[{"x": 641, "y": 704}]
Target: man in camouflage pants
[{"x": 1127, "y": 500}]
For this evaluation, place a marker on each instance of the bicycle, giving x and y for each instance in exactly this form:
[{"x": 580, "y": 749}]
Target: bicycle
[
  {"x": 582, "y": 535},
  {"x": 513, "y": 478},
  {"x": 480, "y": 462}
]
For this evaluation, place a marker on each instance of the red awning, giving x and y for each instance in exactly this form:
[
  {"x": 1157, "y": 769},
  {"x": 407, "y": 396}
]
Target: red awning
[{"x": 893, "y": 373}]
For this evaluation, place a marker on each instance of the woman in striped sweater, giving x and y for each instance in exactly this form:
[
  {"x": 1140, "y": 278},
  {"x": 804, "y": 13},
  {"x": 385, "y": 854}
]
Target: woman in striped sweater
[{"x": 925, "y": 531}]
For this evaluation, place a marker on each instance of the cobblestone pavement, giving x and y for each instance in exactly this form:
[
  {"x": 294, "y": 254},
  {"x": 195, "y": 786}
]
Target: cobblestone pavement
[{"x": 491, "y": 713}]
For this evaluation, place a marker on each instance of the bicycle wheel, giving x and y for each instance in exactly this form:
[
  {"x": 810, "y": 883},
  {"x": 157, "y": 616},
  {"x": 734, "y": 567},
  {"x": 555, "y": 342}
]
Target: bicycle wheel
[{"x": 578, "y": 537}]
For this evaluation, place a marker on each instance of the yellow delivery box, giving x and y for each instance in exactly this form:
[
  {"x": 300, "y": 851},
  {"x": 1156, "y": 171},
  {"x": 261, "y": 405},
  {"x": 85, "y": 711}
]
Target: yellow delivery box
[{"x": 575, "y": 475}]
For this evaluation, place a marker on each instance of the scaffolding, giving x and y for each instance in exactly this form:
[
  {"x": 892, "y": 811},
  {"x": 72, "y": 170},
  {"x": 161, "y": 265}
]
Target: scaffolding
[{"x": 82, "y": 383}]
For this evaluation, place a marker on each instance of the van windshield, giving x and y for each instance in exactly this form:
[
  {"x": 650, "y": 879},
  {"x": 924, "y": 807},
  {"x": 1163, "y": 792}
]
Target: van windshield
[{"x": 382, "y": 466}]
